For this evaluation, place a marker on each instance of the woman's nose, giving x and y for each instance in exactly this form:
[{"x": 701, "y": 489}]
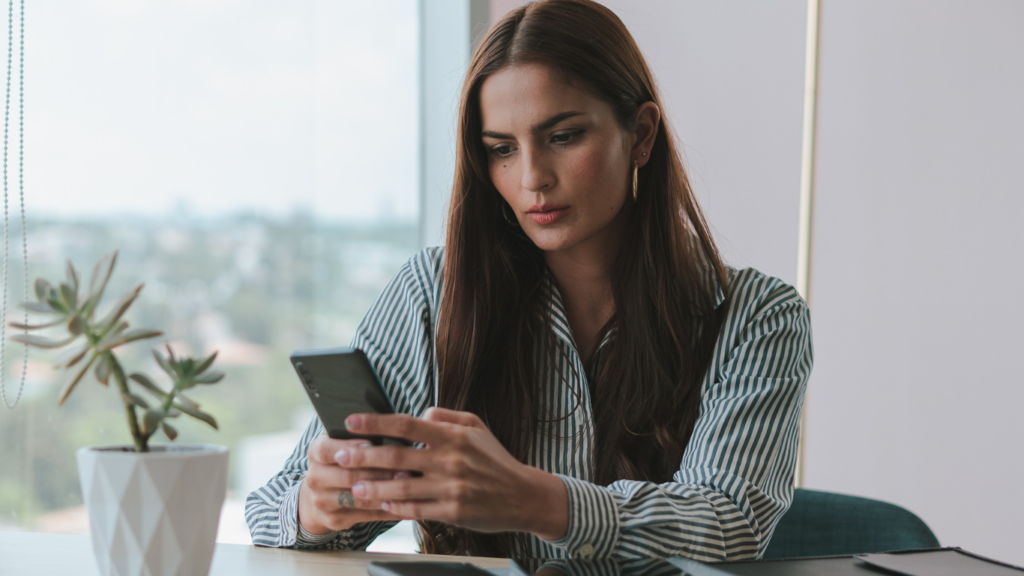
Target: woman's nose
[{"x": 538, "y": 175}]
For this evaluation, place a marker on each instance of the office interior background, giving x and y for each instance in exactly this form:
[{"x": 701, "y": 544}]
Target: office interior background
[{"x": 265, "y": 167}]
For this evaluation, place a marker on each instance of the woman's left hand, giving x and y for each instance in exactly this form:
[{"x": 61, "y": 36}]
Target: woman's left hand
[{"x": 469, "y": 479}]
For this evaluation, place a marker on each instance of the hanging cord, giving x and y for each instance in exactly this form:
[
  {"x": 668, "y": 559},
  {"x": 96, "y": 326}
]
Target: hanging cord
[{"x": 21, "y": 195}]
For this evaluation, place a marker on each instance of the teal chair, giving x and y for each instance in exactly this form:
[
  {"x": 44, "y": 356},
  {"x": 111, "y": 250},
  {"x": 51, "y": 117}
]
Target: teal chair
[{"x": 829, "y": 524}]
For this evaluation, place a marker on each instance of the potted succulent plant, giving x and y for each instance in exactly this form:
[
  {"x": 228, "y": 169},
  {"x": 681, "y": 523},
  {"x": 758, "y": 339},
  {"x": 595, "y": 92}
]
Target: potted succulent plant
[{"x": 153, "y": 509}]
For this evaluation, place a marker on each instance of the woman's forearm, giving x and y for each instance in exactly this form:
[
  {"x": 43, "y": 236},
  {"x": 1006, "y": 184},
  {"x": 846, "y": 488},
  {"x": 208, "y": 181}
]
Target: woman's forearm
[{"x": 549, "y": 505}]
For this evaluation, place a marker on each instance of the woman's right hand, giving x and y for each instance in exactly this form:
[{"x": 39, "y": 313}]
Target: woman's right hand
[{"x": 325, "y": 498}]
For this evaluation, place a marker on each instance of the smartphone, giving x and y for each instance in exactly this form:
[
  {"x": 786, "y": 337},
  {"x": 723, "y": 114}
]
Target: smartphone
[{"x": 341, "y": 382}]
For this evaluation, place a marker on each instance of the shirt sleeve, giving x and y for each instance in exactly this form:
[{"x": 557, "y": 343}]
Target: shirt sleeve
[
  {"x": 736, "y": 477},
  {"x": 397, "y": 337}
]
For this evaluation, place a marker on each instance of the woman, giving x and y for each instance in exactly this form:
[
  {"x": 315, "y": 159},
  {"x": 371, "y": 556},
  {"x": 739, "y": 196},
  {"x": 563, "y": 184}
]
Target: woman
[{"x": 588, "y": 378}]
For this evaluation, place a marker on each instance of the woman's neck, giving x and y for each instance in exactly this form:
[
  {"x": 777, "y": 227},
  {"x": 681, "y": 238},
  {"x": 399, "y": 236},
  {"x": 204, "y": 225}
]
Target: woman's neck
[{"x": 584, "y": 277}]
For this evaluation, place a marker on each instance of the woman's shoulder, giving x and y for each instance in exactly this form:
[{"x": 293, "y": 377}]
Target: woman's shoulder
[
  {"x": 426, "y": 266},
  {"x": 753, "y": 293},
  {"x": 422, "y": 275}
]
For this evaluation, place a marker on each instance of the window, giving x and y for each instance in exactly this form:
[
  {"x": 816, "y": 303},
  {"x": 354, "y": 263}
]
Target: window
[{"x": 256, "y": 164}]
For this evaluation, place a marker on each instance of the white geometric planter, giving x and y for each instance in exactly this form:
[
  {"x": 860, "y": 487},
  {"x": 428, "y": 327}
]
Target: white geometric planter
[{"x": 154, "y": 513}]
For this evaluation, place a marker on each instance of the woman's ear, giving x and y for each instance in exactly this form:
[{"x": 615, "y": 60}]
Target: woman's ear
[{"x": 648, "y": 118}]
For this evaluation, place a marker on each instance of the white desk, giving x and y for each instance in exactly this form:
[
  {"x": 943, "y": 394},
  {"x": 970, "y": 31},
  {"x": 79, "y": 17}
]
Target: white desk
[{"x": 36, "y": 554}]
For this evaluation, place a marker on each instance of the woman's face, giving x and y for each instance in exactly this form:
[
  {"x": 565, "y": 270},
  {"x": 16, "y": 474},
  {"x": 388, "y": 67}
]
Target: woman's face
[{"x": 557, "y": 156}]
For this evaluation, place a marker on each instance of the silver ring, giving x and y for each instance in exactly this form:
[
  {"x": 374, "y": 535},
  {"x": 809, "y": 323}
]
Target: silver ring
[{"x": 345, "y": 499}]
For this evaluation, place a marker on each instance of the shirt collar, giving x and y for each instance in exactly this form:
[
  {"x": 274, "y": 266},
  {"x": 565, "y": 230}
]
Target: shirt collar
[{"x": 560, "y": 321}]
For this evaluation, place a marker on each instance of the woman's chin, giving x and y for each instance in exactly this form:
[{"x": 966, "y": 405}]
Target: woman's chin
[{"x": 550, "y": 240}]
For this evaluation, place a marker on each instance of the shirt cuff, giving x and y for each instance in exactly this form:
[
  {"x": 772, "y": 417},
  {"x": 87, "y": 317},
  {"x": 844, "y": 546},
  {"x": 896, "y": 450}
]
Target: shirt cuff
[
  {"x": 593, "y": 520},
  {"x": 292, "y": 533}
]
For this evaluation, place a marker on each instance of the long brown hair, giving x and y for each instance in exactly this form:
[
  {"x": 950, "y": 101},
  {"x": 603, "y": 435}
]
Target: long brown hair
[{"x": 494, "y": 339}]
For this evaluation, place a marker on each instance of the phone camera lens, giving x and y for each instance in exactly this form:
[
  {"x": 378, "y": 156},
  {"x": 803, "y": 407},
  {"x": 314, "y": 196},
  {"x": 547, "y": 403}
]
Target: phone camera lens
[{"x": 306, "y": 376}]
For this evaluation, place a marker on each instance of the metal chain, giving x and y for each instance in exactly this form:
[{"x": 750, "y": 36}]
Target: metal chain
[{"x": 21, "y": 194}]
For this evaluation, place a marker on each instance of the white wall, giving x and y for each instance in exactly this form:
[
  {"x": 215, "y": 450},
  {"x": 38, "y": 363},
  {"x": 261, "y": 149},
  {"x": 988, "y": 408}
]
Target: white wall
[
  {"x": 731, "y": 75},
  {"x": 917, "y": 278}
]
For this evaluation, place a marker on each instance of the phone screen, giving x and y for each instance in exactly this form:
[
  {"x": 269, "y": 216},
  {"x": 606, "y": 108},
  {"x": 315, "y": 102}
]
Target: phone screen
[{"x": 341, "y": 382}]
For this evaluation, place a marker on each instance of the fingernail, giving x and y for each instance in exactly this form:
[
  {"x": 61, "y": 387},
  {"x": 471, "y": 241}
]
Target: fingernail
[
  {"x": 354, "y": 422},
  {"x": 386, "y": 505},
  {"x": 359, "y": 490},
  {"x": 400, "y": 475},
  {"x": 342, "y": 457}
]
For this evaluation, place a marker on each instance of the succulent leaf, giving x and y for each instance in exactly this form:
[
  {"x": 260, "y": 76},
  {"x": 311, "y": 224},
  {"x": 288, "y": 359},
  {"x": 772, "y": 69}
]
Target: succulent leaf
[
  {"x": 141, "y": 334},
  {"x": 164, "y": 364},
  {"x": 98, "y": 283},
  {"x": 103, "y": 370},
  {"x": 197, "y": 414},
  {"x": 69, "y": 296},
  {"x": 72, "y": 276},
  {"x": 73, "y": 381},
  {"x": 186, "y": 401},
  {"x": 72, "y": 356},
  {"x": 101, "y": 273},
  {"x": 111, "y": 337},
  {"x": 206, "y": 363},
  {"x": 148, "y": 384},
  {"x": 56, "y": 304},
  {"x": 76, "y": 325},
  {"x": 41, "y": 308},
  {"x": 20, "y": 326},
  {"x": 151, "y": 420},
  {"x": 128, "y": 336},
  {"x": 42, "y": 287},
  {"x": 136, "y": 400},
  {"x": 120, "y": 308},
  {"x": 42, "y": 341},
  {"x": 169, "y": 431},
  {"x": 209, "y": 378}
]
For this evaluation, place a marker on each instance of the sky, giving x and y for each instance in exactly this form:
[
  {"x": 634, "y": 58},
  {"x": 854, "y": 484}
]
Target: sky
[{"x": 215, "y": 107}]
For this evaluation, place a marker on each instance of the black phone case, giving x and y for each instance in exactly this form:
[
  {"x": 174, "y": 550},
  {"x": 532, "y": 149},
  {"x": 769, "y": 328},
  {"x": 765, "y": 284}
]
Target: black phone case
[{"x": 341, "y": 382}]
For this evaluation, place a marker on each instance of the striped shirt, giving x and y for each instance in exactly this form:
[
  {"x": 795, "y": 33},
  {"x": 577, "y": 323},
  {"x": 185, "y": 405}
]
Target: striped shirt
[{"x": 735, "y": 479}]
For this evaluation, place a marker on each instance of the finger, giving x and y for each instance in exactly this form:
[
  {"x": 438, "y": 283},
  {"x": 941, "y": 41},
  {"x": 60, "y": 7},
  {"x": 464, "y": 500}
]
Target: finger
[
  {"x": 453, "y": 417},
  {"x": 421, "y": 510},
  {"x": 399, "y": 426},
  {"x": 394, "y": 458},
  {"x": 331, "y": 478},
  {"x": 410, "y": 489},
  {"x": 323, "y": 448},
  {"x": 346, "y": 499},
  {"x": 332, "y": 501}
]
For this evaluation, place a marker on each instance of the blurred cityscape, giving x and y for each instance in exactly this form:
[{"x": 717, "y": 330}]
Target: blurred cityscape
[{"x": 251, "y": 287}]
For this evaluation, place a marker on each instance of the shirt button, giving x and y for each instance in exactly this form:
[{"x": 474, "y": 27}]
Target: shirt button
[{"x": 585, "y": 551}]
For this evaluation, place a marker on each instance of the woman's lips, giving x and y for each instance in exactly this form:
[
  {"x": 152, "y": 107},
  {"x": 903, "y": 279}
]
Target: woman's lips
[{"x": 547, "y": 214}]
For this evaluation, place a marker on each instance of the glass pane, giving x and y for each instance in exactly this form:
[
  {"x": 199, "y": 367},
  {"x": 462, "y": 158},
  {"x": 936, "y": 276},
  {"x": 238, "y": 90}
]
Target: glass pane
[{"x": 255, "y": 163}]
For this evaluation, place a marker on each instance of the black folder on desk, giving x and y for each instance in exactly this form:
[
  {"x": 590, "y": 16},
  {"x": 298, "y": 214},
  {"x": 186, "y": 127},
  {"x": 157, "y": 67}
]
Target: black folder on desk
[{"x": 934, "y": 562}]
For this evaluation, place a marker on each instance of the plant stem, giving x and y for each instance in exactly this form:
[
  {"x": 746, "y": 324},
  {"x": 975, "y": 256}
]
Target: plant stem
[
  {"x": 141, "y": 440},
  {"x": 169, "y": 400}
]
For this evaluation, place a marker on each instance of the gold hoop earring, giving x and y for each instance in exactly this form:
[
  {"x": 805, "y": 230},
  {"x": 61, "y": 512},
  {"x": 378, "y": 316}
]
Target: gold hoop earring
[
  {"x": 636, "y": 166},
  {"x": 511, "y": 221}
]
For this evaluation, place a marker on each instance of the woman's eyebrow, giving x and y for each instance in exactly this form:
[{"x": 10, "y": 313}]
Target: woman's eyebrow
[{"x": 536, "y": 128}]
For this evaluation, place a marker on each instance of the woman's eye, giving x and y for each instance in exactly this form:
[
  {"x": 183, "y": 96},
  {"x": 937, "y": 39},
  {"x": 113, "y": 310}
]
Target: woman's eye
[
  {"x": 502, "y": 150},
  {"x": 565, "y": 137}
]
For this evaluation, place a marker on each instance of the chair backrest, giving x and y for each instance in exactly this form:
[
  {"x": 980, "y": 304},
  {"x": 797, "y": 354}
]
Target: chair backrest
[{"x": 829, "y": 524}]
